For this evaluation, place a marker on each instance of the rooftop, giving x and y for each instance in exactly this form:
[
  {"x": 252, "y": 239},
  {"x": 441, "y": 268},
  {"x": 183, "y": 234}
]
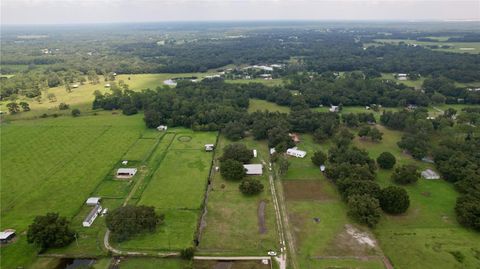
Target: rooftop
[{"x": 253, "y": 169}]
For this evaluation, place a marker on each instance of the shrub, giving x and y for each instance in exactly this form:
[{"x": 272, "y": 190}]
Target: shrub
[
  {"x": 232, "y": 170},
  {"x": 467, "y": 210},
  {"x": 63, "y": 106},
  {"x": 75, "y": 112},
  {"x": 238, "y": 152},
  {"x": 359, "y": 187},
  {"x": 187, "y": 253},
  {"x": 386, "y": 160},
  {"x": 129, "y": 110},
  {"x": 251, "y": 186},
  {"x": 364, "y": 209},
  {"x": 319, "y": 158},
  {"x": 406, "y": 174},
  {"x": 394, "y": 200}
]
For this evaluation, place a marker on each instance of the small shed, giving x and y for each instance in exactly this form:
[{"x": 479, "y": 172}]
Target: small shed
[
  {"x": 254, "y": 153},
  {"x": 126, "y": 172},
  {"x": 88, "y": 221},
  {"x": 209, "y": 147},
  {"x": 296, "y": 152},
  {"x": 272, "y": 151},
  {"x": 6, "y": 236},
  {"x": 253, "y": 169},
  {"x": 162, "y": 127},
  {"x": 295, "y": 137},
  {"x": 430, "y": 174},
  {"x": 107, "y": 85},
  {"x": 125, "y": 162},
  {"x": 93, "y": 201},
  {"x": 322, "y": 168},
  {"x": 334, "y": 109}
]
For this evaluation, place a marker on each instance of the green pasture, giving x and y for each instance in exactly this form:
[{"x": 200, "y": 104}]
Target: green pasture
[
  {"x": 53, "y": 165},
  {"x": 457, "y": 47},
  {"x": 268, "y": 82},
  {"x": 417, "y": 84},
  {"x": 153, "y": 263},
  {"x": 231, "y": 226},
  {"x": 262, "y": 105},
  {"x": 428, "y": 231}
]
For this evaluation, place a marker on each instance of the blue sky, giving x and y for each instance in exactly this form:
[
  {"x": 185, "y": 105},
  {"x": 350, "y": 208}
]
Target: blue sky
[{"x": 93, "y": 11}]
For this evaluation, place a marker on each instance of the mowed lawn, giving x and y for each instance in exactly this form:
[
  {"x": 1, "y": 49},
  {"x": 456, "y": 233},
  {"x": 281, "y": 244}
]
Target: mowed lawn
[
  {"x": 176, "y": 189},
  {"x": 428, "y": 232},
  {"x": 232, "y": 220},
  {"x": 262, "y": 105},
  {"x": 53, "y": 165}
]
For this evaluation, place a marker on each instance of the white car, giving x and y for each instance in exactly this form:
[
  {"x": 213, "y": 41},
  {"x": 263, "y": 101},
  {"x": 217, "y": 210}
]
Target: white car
[{"x": 272, "y": 253}]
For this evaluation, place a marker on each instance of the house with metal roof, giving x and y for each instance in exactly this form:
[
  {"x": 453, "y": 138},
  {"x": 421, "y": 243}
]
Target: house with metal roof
[
  {"x": 93, "y": 201},
  {"x": 6, "y": 236},
  {"x": 430, "y": 174},
  {"x": 88, "y": 221},
  {"x": 295, "y": 152},
  {"x": 253, "y": 169},
  {"x": 126, "y": 172}
]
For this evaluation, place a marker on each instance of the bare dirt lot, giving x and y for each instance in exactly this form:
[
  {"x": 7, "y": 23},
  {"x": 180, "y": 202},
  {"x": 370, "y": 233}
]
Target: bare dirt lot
[{"x": 297, "y": 190}]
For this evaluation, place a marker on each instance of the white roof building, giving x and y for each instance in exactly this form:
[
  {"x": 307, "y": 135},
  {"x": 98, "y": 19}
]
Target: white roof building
[
  {"x": 209, "y": 147},
  {"x": 296, "y": 152},
  {"x": 272, "y": 150},
  {"x": 6, "y": 235},
  {"x": 107, "y": 85},
  {"x": 88, "y": 221},
  {"x": 93, "y": 201},
  {"x": 126, "y": 172},
  {"x": 253, "y": 169},
  {"x": 322, "y": 168},
  {"x": 334, "y": 109},
  {"x": 254, "y": 153},
  {"x": 430, "y": 174},
  {"x": 162, "y": 127}
]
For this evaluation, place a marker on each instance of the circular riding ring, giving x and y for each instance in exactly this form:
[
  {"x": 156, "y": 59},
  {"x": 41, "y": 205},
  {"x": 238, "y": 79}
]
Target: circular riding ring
[{"x": 184, "y": 138}]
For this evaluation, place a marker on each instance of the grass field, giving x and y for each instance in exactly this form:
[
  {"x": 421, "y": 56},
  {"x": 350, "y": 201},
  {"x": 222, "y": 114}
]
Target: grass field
[
  {"x": 152, "y": 263},
  {"x": 53, "y": 165},
  {"x": 271, "y": 82},
  {"x": 428, "y": 231},
  {"x": 232, "y": 221},
  {"x": 262, "y": 105},
  {"x": 82, "y": 97},
  {"x": 457, "y": 47},
  {"x": 183, "y": 168}
]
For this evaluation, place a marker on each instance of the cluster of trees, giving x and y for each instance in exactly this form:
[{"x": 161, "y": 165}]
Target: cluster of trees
[
  {"x": 231, "y": 168},
  {"x": 353, "y": 172},
  {"x": 127, "y": 221},
  {"x": 458, "y": 161},
  {"x": 370, "y": 132},
  {"x": 50, "y": 231}
]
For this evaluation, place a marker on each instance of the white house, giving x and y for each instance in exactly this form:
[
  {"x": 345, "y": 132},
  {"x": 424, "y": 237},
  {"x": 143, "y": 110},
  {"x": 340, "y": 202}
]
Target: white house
[
  {"x": 126, "y": 172},
  {"x": 272, "y": 150},
  {"x": 254, "y": 153},
  {"x": 402, "y": 76},
  {"x": 162, "y": 127},
  {"x": 93, "y": 201},
  {"x": 430, "y": 174},
  {"x": 209, "y": 147},
  {"x": 253, "y": 169},
  {"x": 88, "y": 221},
  {"x": 296, "y": 152},
  {"x": 334, "y": 109}
]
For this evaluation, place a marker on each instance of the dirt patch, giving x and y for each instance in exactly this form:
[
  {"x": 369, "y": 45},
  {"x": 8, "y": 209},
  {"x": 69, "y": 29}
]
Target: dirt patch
[
  {"x": 223, "y": 265},
  {"x": 297, "y": 222},
  {"x": 353, "y": 242},
  {"x": 262, "y": 228},
  {"x": 298, "y": 190}
]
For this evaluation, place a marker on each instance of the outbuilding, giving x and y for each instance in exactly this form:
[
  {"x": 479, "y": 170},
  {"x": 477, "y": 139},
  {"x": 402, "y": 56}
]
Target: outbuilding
[
  {"x": 7, "y": 236},
  {"x": 126, "y": 172},
  {"x": 88, "y": 221},
  {"x": 295, "y": 152},
  {"x": 254, "y": 153},
  {"x": 253, "y": 169},
  {"x": 334, "y": 109},
  {"x": 162, "y": 127},
  {"x": 209, "y": 147},
  {"x": 430, "y": 174},
  {"x": 93, "y": 201}
]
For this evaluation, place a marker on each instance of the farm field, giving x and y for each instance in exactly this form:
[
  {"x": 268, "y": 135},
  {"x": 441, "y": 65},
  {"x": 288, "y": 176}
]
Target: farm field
[
  {"x": 262, "y": 105},
  {"x": 67, "y": 157},
  {"x": 457, "y": 47},
  {"x": 428, "y": 232},
  {"x": 318, "y": 217},
  {"x": 417, "y": 84},
  {"x": 232, "y": 220},
  {"x": 82, "y": 97},
  {"x": 183, "y": 169}
]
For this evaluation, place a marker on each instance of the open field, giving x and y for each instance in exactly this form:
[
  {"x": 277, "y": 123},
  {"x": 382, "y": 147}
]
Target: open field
[
  {"x": 457, "y": 47},
  {"x": 82, "y": 97},
  {"x": 232, "y": 220},
  {"x": 262, "y": 105},
  {"x": 270, "y": 82},
  {"x": 58, "y": 163},
  {"x": 428, "y": 231},
  {"x": 417, "y": 84},
  {"x": 152, "y": 263},
  {"x": 182, "y": 171}
]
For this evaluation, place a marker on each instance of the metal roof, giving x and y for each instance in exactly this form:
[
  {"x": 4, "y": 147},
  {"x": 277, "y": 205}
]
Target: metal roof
[
  {"x": 253, "y": 169},
  {"x": 127, "y": 170}
]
